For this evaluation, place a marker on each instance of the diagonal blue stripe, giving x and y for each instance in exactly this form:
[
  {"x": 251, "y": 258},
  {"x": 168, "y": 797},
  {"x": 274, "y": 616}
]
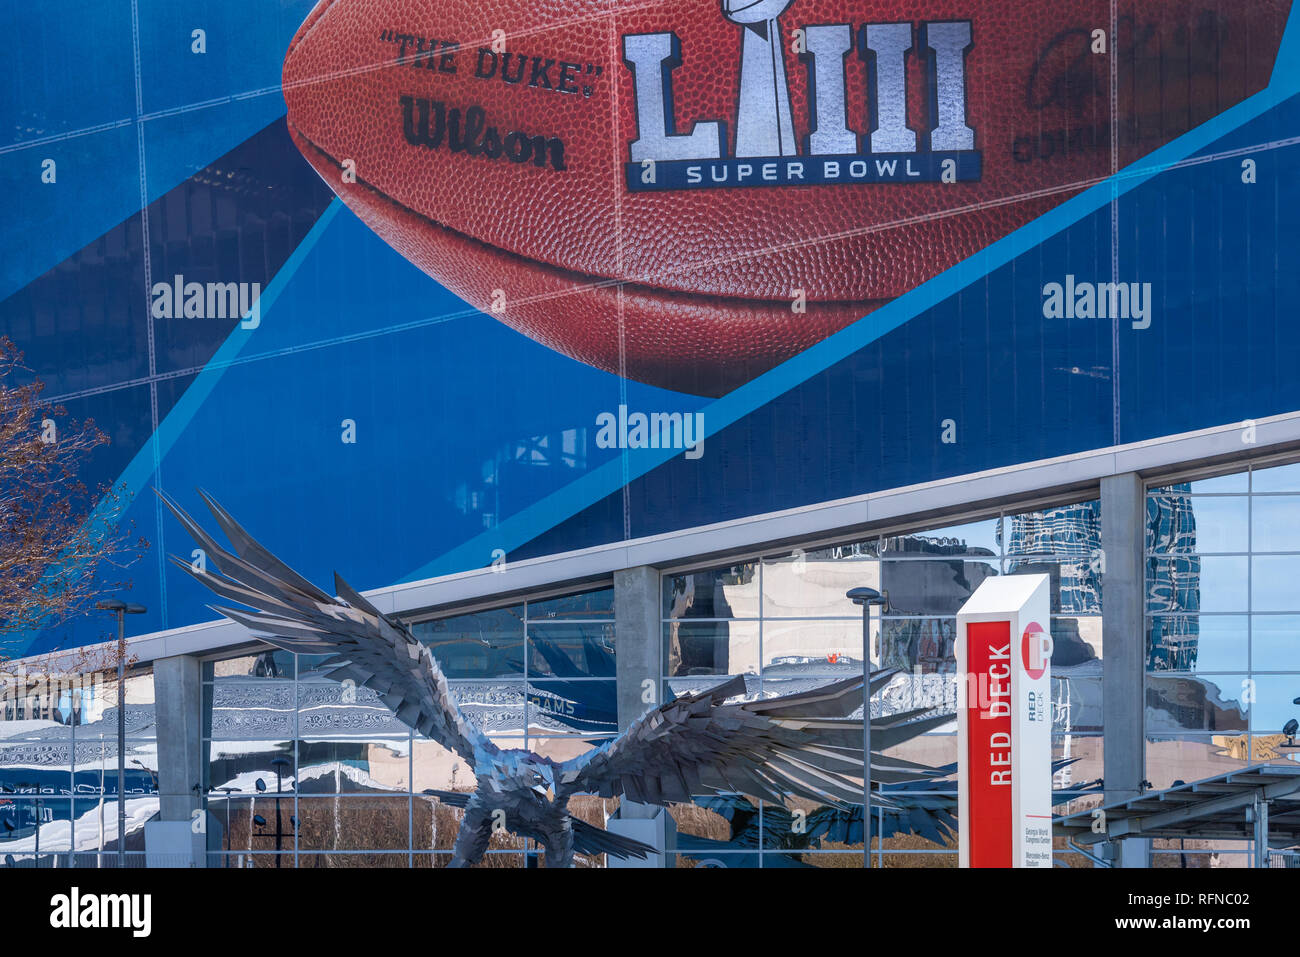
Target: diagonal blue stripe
[
  {"x": 135, "y": 477},
  {"x": 137, "y": 474}
]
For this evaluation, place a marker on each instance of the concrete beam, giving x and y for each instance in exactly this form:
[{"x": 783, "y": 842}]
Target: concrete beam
[{"x": 958, "y": 497}]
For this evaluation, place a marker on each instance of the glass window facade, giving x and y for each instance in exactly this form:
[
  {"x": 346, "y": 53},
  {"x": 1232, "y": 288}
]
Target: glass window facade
[
  {"x": 58, "y": 768},
  {"x": 347, "y": 782},
  {"x": 1222, "y": 628},
  {"x": 784, "y": 623},
  {"x": 309, "y": 772}
]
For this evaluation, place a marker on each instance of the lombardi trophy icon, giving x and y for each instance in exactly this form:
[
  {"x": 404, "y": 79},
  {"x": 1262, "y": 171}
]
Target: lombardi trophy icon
[{"x": 764, "y": 124}]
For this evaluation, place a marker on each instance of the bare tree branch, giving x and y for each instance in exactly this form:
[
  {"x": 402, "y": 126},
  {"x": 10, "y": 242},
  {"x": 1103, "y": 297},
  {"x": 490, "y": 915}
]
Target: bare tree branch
[{"x": 62, "y": 545}]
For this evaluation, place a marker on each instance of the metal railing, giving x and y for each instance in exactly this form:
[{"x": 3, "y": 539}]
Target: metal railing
[{"x": 88, "y": 860}]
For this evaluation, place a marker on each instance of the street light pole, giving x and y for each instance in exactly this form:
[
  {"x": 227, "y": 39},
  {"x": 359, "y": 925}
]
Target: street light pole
[
  {"x": 279, "y": 764},
  {"x": 866, "y": 597},
  {"x": 227, "y": 791},
  {"x": 122, "y": 609},
  {"x": 99, "y": 858}
]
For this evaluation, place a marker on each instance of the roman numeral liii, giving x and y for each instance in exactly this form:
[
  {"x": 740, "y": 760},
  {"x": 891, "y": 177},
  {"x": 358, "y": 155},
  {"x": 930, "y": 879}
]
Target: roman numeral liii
[{"x": 883, "y": 47}]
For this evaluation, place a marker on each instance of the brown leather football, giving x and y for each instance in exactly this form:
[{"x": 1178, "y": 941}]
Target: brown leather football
[{"x": 688, "y": 194}]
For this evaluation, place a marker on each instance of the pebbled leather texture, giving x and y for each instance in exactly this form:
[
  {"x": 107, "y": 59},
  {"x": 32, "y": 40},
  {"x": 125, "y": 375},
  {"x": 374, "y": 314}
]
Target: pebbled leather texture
[{"x": 1038, "y": 99}]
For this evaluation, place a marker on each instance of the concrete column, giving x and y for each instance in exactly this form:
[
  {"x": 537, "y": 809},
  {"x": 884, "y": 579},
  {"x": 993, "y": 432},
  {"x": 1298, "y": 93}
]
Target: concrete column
[
  {"x": 638, "y": 635},
  {"x": 178, "y": 707},
  {"x": 1123, "y": 530}
]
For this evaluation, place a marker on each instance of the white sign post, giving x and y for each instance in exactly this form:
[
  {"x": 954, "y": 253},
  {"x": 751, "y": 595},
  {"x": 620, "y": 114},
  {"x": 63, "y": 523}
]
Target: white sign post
[{"x": 1004, "y": 724}]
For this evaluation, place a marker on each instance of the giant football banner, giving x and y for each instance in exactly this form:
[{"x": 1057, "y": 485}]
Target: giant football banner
[{"x": 420, "y": 286}]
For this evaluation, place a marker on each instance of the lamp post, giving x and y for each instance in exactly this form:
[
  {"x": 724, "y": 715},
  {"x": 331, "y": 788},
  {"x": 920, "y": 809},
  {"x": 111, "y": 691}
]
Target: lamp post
[
  {"x": 122, "y": 609},
  {"x": 866, "y": 597},
  {"x": 279, "y": 765},
  {"x": 260, "y": 786},
  {"x": 37, "y": 785},
  {"x": 227, "y": 791},
  {"x": 99, "y": 858}
]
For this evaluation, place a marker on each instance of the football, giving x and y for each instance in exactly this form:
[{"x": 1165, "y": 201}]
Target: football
[{"x": 690, "y": 193}]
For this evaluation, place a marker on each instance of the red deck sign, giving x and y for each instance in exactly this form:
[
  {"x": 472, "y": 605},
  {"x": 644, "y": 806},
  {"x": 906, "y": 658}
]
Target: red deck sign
[
  {"x": 988, "y": 743},
  {"x": 1004, "y": 724}
]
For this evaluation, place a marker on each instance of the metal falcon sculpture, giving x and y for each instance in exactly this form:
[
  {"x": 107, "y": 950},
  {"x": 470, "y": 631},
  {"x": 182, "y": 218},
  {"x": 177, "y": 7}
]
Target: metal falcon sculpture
[{"x": 801, "y": 745}]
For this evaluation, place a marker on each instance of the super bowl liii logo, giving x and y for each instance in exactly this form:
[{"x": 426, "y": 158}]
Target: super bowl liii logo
[{"x": 765, "y": 152}]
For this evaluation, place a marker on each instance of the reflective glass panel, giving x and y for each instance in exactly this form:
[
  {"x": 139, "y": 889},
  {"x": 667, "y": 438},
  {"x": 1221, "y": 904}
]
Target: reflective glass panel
[
  {"x": 1274, "y": 705},
  {"x": 710, "y": 648},
  {"x": 1201, "y": 525},
  {"x": 252, "y": 710},
  {"x": 341, "y": 859},
  {"x": 1174, "y": 758},
  {"x": 1073, "y": 530},
  {"x": 1203, "y": 703},
  {"x": 935, "y": 749},
  {"x": 727, "y": 592},
  {"x": 315, "y": 667},
  {"x": 1077, "y": 700},
  {"x": 1170, "y": 524},
  {"x": 494, "y": 707},
  {"x": 815, "y": 583},
  {"x": 973, "y": 538},
  {"x": 485, "y": 644},
  {"x": 911, "y": 643},
  {"x": 1275, "y": 523},
  {"x": 1076, "y": 640},
  {"x": 583, "y": 606},
  {"x": 1279, "y": 478},
  {"x": 1194, "y": 583},
  {"x": 561, "y": 749},
  {"x": 253, "y": 829},
  {"x": 1273, "y": 583},
  {"x": 273, "y": 664},
  {"x": 1198, "y": 643},
  {"x": 333, "y": 708},
  {"x": 571, "y": 650},
  {"x": 20, "y": 819},
  {"x": 910, "y": 691},
  {"x": 1077, "y": 760},
  {"x": 349, "y": 823},
  {"x": 363, "y": 765},
  {"x": 793, "y": 647},
  {"x": 1216, "y": 485},
  {"x": 707, "y": 820},
  {"x": 833, "y": 859},
  {"x": 1275, "y": 642},
  {"x": 1075, "y": 583},
  {"x": 681, "y": 687},
  {"x": 932, "y": 587},
  {"x": 440, "y": 769},
  {"x": 240, "y": 764},
  {"x": 559, "y": 706}
]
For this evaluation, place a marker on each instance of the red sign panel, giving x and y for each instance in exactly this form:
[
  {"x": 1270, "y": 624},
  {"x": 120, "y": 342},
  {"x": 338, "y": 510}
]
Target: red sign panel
[{"x": 988, "y": 741}]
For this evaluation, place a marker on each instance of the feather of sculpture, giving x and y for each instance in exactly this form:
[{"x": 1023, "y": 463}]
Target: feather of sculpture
[{"x": 803, "y": 745}]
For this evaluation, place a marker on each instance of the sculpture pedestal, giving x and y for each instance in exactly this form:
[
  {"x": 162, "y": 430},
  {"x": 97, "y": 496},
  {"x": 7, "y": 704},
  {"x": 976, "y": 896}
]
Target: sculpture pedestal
[{"x": 658, "y": 830}]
